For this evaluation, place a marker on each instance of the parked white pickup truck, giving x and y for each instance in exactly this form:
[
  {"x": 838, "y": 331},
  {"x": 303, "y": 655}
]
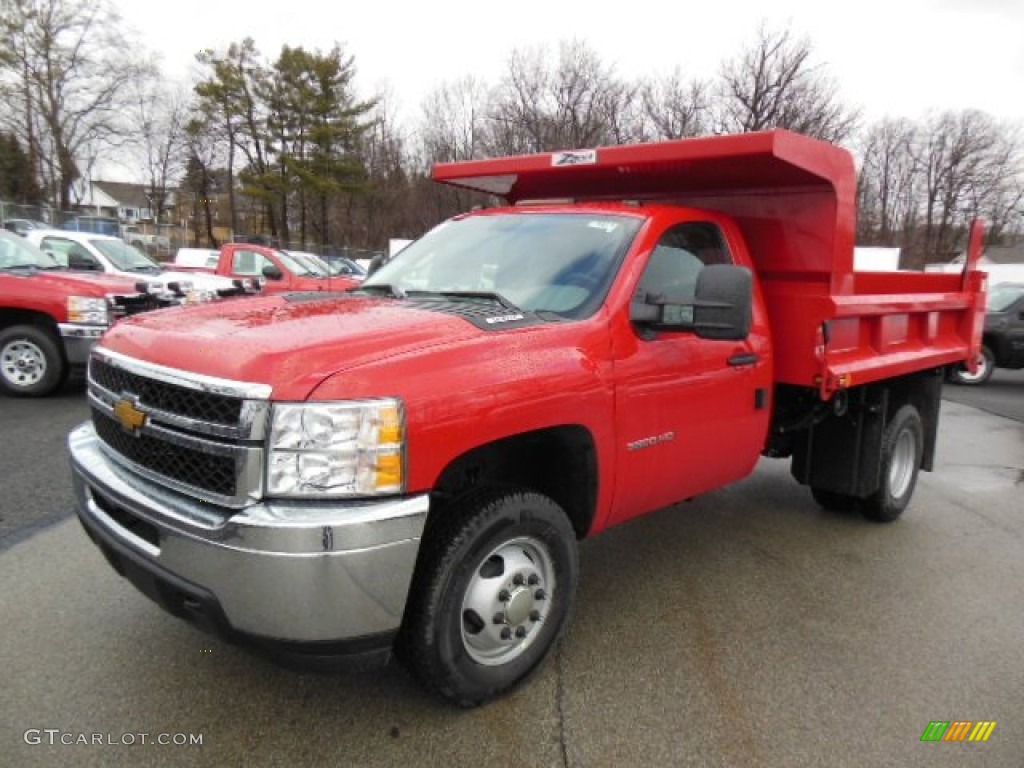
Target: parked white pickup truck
[
  {"x": 150, "y": 243},
  {"x": 85, "y": 251}
]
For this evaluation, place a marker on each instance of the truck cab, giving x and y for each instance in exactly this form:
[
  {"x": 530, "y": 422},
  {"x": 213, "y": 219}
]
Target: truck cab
[{"x": 280, "y": 270}]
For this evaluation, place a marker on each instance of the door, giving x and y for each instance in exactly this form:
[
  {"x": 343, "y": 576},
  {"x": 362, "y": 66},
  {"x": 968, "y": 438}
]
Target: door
[
  {"x": 691, "y": 414},
  {"x": 247, "y": 263}
]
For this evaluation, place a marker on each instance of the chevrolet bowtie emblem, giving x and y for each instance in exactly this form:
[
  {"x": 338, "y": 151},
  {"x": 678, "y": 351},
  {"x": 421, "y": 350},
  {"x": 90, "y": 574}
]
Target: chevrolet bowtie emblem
[{"x": 129, "y": 415}]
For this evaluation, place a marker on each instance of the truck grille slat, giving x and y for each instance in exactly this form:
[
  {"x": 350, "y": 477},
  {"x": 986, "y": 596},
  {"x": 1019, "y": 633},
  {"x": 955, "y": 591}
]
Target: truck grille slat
[
  {"x": 202, "y": 406},
  {"x": 216, "y": 474}
]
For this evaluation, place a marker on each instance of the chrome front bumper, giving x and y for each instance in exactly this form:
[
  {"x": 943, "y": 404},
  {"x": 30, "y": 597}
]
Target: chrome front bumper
[
  {"x": 79, "y": 341},
  {"x": 290, "y": 572}
]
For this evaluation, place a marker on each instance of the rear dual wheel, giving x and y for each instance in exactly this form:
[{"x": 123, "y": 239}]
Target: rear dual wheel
[{"x": 902, "y": 452}]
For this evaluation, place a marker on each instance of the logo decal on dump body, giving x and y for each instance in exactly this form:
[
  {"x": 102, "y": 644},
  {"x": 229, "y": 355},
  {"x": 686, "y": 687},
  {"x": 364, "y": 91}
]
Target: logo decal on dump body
[{"x": 574, "y": 157}]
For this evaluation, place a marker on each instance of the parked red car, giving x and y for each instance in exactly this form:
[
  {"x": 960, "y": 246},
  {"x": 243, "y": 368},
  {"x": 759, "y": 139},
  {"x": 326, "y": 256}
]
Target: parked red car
[{"x": 50, "y": 318}]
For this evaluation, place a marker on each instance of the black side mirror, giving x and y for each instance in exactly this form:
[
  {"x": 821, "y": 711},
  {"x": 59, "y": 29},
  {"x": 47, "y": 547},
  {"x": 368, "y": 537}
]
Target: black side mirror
[
  {"x": 721, "y": 307},
  {"x": 79, "y": 262},
  {"x": 272, "y": 272},
  {"x": 724, "y": 301}
]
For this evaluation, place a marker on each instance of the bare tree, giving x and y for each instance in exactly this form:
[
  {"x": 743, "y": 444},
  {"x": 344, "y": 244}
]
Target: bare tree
[
  {"x": 888, "y": 182},
  {"x": 160, "y": 113},
  {"x": 674, "y": 108},
  {"x": 453, "y": 127},
  {"x": 773, "y": 84},
  {"x": 953, "y": 155},
  {"x": 203, "y": 155},
  {"x": 68, "y": 72},
  {"x": 453, "y": 123},
  {"x": 997, "y": 191},
  {"x": 540, "y": 107}
]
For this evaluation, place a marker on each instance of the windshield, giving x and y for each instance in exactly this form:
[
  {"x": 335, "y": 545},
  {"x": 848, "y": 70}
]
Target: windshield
[
  {"x": 124, "y": 257},
  {"x": 1002, "y": 297},
  {"x": 343, "y": 266},
  {"x": 293, "y": 265},
  {"x": 561, "y": 263},
  {"x": 310, "y": 262},
  {"x": 16, "y": 252}
]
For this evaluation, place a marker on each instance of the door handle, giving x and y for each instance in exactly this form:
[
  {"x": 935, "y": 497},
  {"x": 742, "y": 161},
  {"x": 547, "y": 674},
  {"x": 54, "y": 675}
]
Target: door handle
[{"x": 743, "y": 358}]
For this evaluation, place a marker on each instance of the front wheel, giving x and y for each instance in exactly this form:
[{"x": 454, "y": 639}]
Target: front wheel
[
  {"x": 493, "y": 591},
  {"x": 986, "y": 364},
  {"x": 902, "y": 451},
  {"x": 31, "y": 364}
]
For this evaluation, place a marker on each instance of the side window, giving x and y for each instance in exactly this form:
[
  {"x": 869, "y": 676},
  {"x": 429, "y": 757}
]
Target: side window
[
  {"x": 681, "y": 253},
  {"x": 59, "y": 249},
  {"x": 261, "y": 262},
  {"x": 247, "y": 263}
]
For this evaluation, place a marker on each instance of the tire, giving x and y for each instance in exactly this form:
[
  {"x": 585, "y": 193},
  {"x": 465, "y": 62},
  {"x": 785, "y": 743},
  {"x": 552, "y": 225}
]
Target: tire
[
  {"x": 31, "y": 362},
  {"x": 493, "y": 591},
  {"x": 834, "y": 502},
  {"x": 986, "y": 365},
  {"x": 902, "y": 450}
]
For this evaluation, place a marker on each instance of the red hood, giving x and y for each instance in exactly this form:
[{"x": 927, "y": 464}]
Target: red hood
[
  {"x": 292, "y": 346},
  {"x": 85, "y": 284}
]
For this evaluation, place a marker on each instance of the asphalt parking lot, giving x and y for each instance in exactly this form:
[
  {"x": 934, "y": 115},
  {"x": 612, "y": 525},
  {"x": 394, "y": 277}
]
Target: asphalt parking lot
[{"x": 746, "y": 628}]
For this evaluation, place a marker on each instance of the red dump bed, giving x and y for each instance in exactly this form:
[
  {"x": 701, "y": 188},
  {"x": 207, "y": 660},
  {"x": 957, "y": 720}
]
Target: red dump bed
[{"x": 794, "y": 199}]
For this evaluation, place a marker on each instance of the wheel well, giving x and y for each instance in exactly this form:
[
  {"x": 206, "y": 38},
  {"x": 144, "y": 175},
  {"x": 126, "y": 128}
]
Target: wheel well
[
  {"x": 9, "y": 317},
  {"x": 559, "y": 462}
]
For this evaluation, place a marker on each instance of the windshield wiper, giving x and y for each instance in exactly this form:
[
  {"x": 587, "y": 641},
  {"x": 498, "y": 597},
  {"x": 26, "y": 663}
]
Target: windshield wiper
[
  {"x": 390, "y": 290},
  {"x": 486, "y": 295}
]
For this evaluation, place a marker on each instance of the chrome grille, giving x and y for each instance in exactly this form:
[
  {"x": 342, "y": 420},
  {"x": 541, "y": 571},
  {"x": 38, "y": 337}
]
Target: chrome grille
[
  {"x": 201, "y": 406},
  {"x": 191, "y": 467},
  {"x": 200, "y": 435}
]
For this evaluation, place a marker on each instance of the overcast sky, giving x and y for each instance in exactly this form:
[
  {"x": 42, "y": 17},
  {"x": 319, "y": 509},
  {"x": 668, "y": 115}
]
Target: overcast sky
[{"x": 890, "y": 57}]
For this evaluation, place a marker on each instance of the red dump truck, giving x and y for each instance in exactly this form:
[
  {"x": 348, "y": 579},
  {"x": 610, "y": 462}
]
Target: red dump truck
[{"x": 411, "y": 464}]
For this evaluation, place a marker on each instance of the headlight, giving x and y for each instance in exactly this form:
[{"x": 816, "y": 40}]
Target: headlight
[
  {"x": 88, "y": 310},
  {"x": 196, "y": 296},
  {"x": 353, "y": 448}
]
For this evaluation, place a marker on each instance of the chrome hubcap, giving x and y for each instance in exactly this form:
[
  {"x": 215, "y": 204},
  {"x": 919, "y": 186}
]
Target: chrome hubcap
[
  {"x": 901, "y": 469},
  {"x": 507, "y": 600},
  {"x": 22, "y": 363},
  {"x": 966, "y": 375}
]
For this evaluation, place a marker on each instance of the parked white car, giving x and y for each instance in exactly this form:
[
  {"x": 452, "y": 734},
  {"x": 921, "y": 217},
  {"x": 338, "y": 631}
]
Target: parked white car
[{"x": 90, "y": 252}]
